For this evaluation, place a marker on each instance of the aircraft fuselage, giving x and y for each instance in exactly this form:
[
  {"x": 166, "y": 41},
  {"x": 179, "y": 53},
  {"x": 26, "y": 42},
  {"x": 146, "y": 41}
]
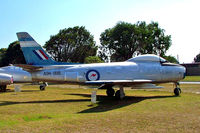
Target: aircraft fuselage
[{"x": 112, "y": 71}]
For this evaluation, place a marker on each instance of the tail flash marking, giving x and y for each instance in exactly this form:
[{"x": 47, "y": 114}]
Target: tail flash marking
[
  {"x": 43, "y": 54},
  {"x": 40, "y": 54}
]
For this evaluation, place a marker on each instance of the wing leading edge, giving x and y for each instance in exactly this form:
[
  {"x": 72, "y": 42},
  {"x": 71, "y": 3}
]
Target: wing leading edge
[
  {"x": 119, "y": 81},
  {"x": 135, "y": 84}
]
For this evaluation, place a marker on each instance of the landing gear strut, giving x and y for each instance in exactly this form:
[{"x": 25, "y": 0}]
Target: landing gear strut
[
  {"x": 120, "y": 93},
  {"x": 43, "y": 85},
  {"x": 177, "y": 90}
]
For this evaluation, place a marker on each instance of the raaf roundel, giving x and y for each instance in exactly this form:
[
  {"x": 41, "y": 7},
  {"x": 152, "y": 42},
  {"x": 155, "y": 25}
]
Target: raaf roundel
[{"x": 92, "y": 75}]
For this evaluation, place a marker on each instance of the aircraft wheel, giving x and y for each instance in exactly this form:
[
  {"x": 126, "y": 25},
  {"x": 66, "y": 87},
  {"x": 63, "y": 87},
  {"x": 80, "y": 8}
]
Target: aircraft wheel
[
  {"x": 110, "y": 92},
  {"x": 42, "y": 88},
  {"x": 177, "y": 91},
  {"x": 117, "y": 95},
  {"x": 3, "y": 88}
]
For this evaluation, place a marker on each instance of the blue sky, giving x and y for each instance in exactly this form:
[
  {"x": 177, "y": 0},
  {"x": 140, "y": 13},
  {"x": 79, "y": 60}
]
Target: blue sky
[{"x": 42, "y": 18}]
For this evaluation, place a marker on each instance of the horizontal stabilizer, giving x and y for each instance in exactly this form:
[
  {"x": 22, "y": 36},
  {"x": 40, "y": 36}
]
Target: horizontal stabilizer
[{"x": 29, "y": 67}]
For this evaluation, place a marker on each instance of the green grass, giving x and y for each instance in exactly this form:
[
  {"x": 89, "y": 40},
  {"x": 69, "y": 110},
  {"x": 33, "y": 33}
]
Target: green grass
[
  {"x": 64, "y": 109},
  {"x": 192, "y": 78}
]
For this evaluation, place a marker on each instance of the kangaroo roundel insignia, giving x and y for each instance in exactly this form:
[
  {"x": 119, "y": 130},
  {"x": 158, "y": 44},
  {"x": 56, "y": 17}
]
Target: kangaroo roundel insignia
[{"x": 92, "y": 75}]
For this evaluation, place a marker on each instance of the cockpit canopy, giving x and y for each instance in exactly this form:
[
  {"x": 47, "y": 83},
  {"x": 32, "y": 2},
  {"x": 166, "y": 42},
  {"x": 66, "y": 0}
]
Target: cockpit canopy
[{"x": 147, "y": 58}]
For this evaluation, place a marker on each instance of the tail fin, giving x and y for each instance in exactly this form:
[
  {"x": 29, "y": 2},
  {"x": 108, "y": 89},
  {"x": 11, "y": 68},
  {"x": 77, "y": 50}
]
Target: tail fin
[{"x": 34, "y": 54}]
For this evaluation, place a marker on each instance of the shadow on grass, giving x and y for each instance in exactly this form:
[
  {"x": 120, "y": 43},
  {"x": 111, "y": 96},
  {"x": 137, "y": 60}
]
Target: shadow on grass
[
  {"x": 11, "y": 90},
  {"x": 105, "y": 103},
  {"x": 5, "y": 103},
  {"x": 30, "y": 90}
]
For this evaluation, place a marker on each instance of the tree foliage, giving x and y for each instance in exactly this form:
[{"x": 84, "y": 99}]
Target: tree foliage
[
  {"x": 12, "y": 55},
  {"x": 120, "y": 43},
  {"x": 93, "y": 59},
  {"x": 197, "y": 58},
  {"x": 126, "y": 40},
  {"x": 71, "y": 45},
  {"x": 2, "y": 55}
]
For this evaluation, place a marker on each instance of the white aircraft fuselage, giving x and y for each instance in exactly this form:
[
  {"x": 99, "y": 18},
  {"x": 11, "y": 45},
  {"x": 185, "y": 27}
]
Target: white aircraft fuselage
[
  {"x": 143, "y": 71},
  {"x": 118, "y": 71}
]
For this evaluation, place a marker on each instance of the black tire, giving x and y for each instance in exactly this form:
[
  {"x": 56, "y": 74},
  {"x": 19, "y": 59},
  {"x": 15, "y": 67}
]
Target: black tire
[
  {"x": 42, "y": 88},
  {"x": 117, "y": 95},
  {"x": 110, "y": 92},
  {"x": 177, "y": 91}
]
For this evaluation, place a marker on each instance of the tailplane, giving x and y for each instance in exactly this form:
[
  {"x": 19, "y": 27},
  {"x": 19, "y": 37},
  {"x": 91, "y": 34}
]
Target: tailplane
[{"x": 34, "y": 54}]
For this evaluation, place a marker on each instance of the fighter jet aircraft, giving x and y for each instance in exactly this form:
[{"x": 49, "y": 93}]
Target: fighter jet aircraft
[
  {"x": 144, "y": 71},
  {"x": 12, "y": 74}
]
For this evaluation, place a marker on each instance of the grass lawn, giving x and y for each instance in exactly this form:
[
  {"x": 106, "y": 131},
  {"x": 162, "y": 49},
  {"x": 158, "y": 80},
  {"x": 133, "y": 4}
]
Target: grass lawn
[
  {"x": 64, "y": 109},
  {"x": 192, "y": 78}
]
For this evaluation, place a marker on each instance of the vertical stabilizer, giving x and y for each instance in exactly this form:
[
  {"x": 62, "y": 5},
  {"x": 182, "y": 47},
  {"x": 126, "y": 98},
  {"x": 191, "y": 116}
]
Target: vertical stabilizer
[{"x": 34, "y": 54}]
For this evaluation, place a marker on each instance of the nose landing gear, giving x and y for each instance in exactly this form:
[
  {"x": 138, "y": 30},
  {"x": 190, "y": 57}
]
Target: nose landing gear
[{"x": 177, "y": 90}]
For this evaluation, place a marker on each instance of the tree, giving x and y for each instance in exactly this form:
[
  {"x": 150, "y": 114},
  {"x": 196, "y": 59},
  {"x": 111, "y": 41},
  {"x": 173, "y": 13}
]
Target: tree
[
  {"x": 126, "y": 40},
  {"x": 71, "y": 45},
  {"x": 93, "y": 59},
  {"x": 118, "y": 42},
  {"x": 197, "y": 58},
  {"x": 12, "y": 55},
  {"x": 152, "y": 39},
  {"x": 2, "y": 54}
]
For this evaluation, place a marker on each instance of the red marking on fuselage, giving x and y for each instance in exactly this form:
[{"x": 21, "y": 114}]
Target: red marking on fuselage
[{"x": 93, "y": 75}]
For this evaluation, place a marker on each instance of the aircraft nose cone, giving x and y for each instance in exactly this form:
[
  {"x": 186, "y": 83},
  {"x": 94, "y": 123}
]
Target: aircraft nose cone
[{"x": 183, "y": 71}]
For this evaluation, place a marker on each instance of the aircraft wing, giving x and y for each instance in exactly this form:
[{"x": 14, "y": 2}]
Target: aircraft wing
[
  {"x": 119, "y": 82},
  {"x": 29, "y": 67},
  {"x": 135, "y": 84}
]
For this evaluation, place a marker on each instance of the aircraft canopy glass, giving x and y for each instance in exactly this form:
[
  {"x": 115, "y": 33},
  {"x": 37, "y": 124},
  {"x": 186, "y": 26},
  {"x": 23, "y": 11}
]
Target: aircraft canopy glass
[{"x": 147, "y": 57}]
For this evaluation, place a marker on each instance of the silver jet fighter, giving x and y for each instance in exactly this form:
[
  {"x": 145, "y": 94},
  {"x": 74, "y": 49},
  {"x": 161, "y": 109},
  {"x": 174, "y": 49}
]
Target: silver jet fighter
[
  {"x": 12, "y": 74},
  {"x": 144, "y": 71}
]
